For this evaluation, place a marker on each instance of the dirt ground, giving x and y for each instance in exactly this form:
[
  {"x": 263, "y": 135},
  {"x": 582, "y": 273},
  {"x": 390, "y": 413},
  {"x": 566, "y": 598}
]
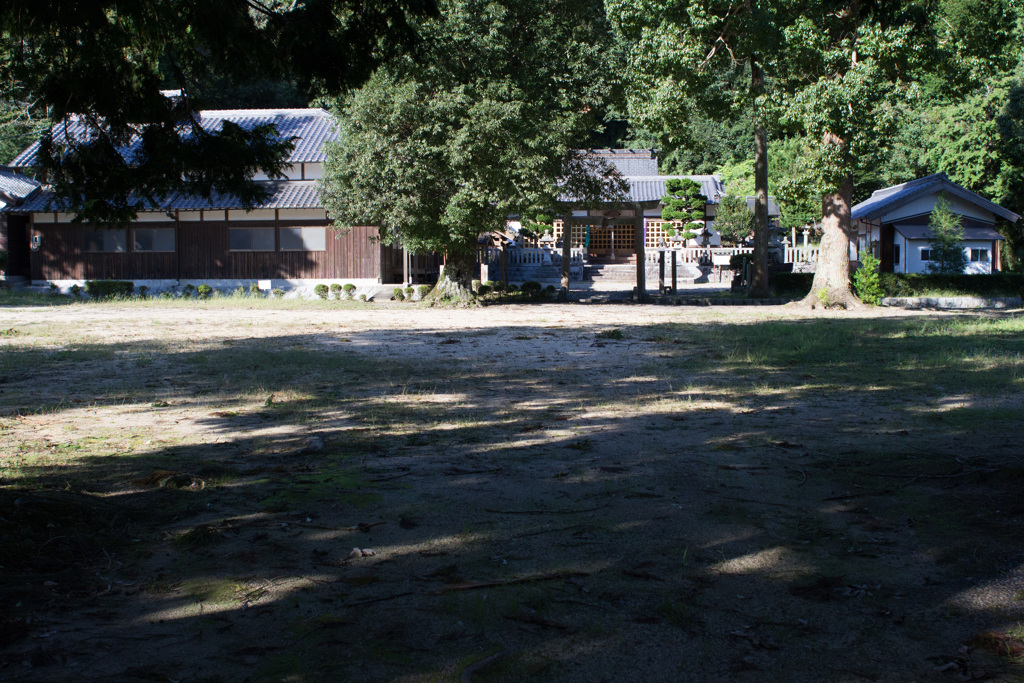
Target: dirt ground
[{"x": 531, "y": 492}]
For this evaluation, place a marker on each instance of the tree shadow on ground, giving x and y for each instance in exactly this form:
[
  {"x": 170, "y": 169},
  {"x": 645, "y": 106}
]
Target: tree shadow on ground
[{"x": 714, "y": 500}]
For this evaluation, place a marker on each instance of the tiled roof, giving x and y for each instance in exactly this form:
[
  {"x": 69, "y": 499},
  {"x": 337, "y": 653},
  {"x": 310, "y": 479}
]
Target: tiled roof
[
  {"x": 652, "y": 188},
  {"x": 15, "y": 186},
  {"x": 288, "y": 194},
  {"x": 890, "y": 198},
  {"x": 629, "y": 162},
  {"x": 311, "y": 128},
  {"x": 773, "y": 207}
]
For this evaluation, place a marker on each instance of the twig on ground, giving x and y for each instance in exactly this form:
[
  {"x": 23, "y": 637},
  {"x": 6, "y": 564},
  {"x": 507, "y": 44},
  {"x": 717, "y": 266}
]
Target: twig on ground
[
  {"x": 467, "y": 673},
  {"x": 544, "y": 512},
  {"x": 554, "y": 576}
]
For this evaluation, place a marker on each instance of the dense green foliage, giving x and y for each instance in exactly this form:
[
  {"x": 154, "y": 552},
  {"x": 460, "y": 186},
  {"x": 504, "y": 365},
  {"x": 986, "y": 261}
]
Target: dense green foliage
[
  {"x": 734, "y": 221},
  {"x": 103, "y": 63},
  {"x": 484, "y": 124},
  {"x": 684, "y": 201},
  {"x": 918, "y": 284}
]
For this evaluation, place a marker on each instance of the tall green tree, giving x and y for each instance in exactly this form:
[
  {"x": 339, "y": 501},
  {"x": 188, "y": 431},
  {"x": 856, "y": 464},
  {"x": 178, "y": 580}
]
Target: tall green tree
[
  {"x": 853, "y": 67},
  {"x": 717, "y": 56},
  {"x": 99, "y": 66},
  {"x": 947, "y": 243},
  {"x": 482, "y": 124}
]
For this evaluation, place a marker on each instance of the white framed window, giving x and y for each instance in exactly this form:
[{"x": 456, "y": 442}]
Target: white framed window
[
  {"x": 106, "y": 240},
  {"x": 303, "y": 239},
  {"x": 979, "y": 255},
  {"x": 926, "y": 254},
  {"x": 251, "y": 239},
  {"x": 153, "y": 239}
]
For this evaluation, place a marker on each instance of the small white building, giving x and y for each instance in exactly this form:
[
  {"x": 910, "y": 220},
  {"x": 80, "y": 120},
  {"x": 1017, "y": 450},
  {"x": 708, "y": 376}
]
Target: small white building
[{"x": 894, "y": 224}]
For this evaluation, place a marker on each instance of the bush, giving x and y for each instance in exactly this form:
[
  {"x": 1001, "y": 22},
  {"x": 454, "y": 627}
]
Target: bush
[
  {"x": 922, "y": 284},
  {"x": 321, "y": 290},
  {"x": 423, "y": 290},
  {"x": 109, "y": 289},
  {"x": 166, "y": 295},
  {"x": 865, "y": 279},
  {"x": 736, "y": 262},
  {"x": 483, "y": 290},
  {"x": 204, "y": 291},
  {"x": 254, "y": 290},
  {"x": 143, "y": 291},
  {"x": 499, "y": 286},
  {"x": 410, "y": 291},
  {"x": 239, "y": 292},
  {"x": 512, "y": 287},
  {"x": 349, "y": 289},
  {"x": 792, "y": 284},
  {"x": 278, "y": 293},
  {"x": 488, "y": 283},
  {"x": 76, "y": 291},
  {"x": 336, "y": 290},
  {"x": 531, "y": 288},
  {"x": 362, "y": 297},
  {"x": 397, "y": 294},
  {"x": 475, "y": 285},
  {"x": 187, "y": 291}
]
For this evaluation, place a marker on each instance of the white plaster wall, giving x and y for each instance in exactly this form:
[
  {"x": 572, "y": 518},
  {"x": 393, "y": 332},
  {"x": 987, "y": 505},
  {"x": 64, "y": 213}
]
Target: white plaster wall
[{"x": 914, "y": 264}]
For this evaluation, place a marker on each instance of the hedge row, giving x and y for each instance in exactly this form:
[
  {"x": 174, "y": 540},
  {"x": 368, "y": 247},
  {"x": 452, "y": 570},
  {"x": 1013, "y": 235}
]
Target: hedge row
[
  {"x": 919, "y": 284},
  {"x": 109, "y": 289}
]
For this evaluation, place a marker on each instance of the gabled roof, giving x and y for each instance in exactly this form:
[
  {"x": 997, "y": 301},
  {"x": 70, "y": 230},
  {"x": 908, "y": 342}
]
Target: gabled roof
[
  {"x": 15, "y": 186},
  {"x": 652, "y": 188},
  {"x": 773, "y": 207},
  {"x": 311, "y": 128},
  {"x": 288, "y": 194},
  {"x": 891, "y": 198}
]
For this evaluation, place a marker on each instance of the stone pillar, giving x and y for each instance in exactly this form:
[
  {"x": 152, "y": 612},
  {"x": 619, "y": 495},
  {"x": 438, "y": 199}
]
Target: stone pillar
[
  {"x": 405, "y": 267},
  {"x": 641, "y": 258},
  {"x": 675, "y": 273},
  {"x": 566, "y": 250},
  {"x": 661, "y": 271}
]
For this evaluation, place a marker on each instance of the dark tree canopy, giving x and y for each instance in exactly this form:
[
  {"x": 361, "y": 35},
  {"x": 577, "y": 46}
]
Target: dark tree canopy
[{"x": 102, "y": 64}]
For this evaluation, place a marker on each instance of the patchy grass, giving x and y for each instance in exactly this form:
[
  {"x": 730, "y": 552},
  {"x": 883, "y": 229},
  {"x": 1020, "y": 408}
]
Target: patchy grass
[{"x": 358, "y": 493}]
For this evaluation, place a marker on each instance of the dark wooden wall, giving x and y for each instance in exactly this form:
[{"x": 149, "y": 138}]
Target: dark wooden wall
[
  {"x": 203, "y": 254},
  {"x": 14, "y": 240}
]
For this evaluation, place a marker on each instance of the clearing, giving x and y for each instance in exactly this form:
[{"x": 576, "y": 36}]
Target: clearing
[{"x": 538, "y": 492}]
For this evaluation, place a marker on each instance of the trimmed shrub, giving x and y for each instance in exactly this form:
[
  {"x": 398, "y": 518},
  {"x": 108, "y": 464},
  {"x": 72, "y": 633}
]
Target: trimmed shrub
[
  {"x": 109, "y": 289},
  {"x": 531, "y": 288},
  {"x": 423, "y": 290},
  {"x": 483, "y": 290},
  {"x": 512, "y": 287},
  {"x": 76, "y": 291},
  {"x": 792, "y": 284},
  {"x": 143, "y": 292},
  {"x": 349, "y": 289},
  {"x": 488, "y": 283},
  {"x": 736, "y": 262},
  {"x": 278, "y": 293},
  {"x": 397, "y": 294},
  {"x": 362, "y": 297},
  {"x": 238, "y": 292},
  {"x": 865, "y": 279},
  {"x": 499, "y": 286},
  {"x": 204, "y": 291},
  {"x": 166, "y": 295},
  {"x": 336, "y": 290},
  {"x": 254, "y": 290},
  {"x": 187, "y": 291},
  {"x": 321, "y": 290}
]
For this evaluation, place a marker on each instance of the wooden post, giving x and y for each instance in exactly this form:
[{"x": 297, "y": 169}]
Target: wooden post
[
  {"x": 503, "y": 261},
  {"x": 674, "y": 273},
  {"x": 566, "y": 250},
  {"x": 641, "y": 257},
  {"x": 405, "y": 267},
  {"x": 661, "y": 271}
]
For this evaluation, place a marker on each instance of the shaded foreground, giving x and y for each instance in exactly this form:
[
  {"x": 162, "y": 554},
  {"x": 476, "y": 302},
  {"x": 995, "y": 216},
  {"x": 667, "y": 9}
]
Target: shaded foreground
[{"x": 544, "y": 493}]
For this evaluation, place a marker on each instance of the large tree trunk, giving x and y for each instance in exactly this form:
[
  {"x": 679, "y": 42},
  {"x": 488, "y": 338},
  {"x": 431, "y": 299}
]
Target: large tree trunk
[
  {"x": 831, "y": 286},
  {"x": 456, "y": 281},
  {"x": 759, "y": 278}
]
